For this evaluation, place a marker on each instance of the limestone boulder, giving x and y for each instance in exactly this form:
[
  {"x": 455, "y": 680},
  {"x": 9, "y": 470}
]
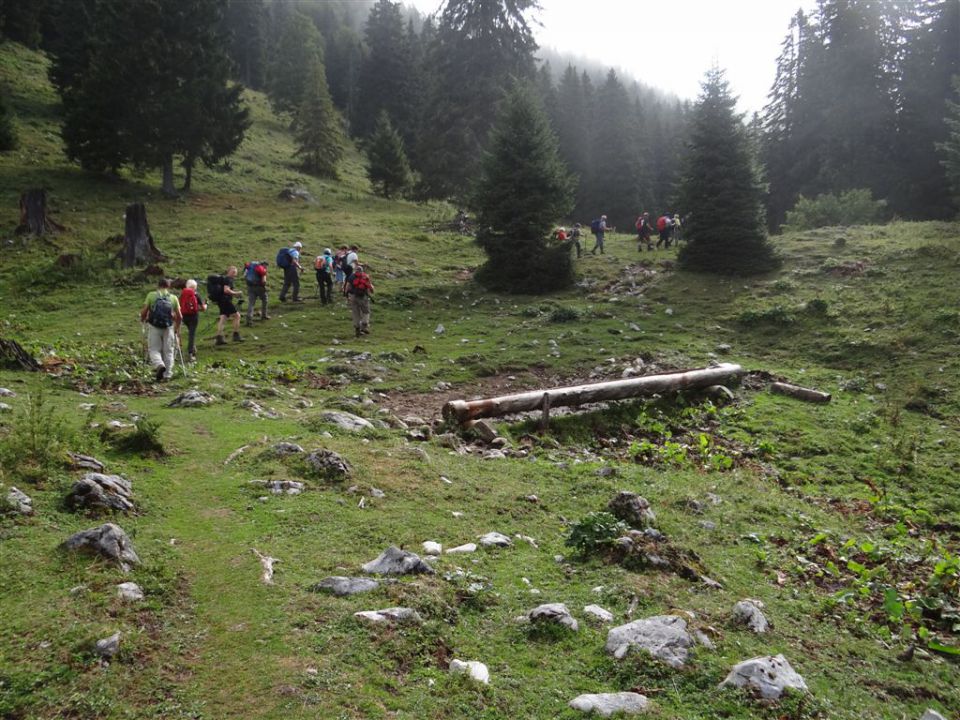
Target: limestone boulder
[
  {"x": 394, "y": 561},
  {"x": 108, "y": 541},
  {"x": 665, "y": 637},
  {"x": 768, "y": 675},
  {"x": 608, "y": 704}
]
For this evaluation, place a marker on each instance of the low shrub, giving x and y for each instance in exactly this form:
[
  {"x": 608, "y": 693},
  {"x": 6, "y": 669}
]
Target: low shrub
[
  {"x": 595, "y": 531},
  {"x": 854, "y": 207}
]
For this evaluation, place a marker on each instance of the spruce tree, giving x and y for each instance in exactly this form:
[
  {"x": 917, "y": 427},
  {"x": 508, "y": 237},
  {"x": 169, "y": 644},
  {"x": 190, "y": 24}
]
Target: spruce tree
[
  {"x": 319, "y": 135},
  {"x": 387, "y": 168},
  {"x": 522, "y": 189},
  {"x": 950, "y": 148},
  {"x": 720, "y": 190},
  {"x": 298, "y": 49},
  {"x": 8, "y": 136}
]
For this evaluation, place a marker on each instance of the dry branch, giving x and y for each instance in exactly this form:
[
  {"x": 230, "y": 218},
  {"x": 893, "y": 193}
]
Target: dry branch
[
  {"x": 267, "y": 562},
  {"x": 800, "y": 393}
]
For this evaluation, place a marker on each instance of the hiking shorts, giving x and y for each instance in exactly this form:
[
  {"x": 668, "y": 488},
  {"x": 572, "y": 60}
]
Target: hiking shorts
[{"x": 227, "y": 307}]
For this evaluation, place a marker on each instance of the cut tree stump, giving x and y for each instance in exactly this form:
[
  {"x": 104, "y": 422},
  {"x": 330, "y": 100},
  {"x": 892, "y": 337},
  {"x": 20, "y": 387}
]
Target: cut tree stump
[
  {"x": 462, "y": 411},
  {"x": 800, "y": 393},
  {"x": 33, "y": 215},
  {"x": 138, "y": 246},
  {"x": 12, "y": 353}
]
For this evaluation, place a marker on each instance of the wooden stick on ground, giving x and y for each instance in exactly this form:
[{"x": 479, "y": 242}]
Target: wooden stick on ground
[
  {"x": 267, "y": 562},
  {"x": 800, "y": 393}
]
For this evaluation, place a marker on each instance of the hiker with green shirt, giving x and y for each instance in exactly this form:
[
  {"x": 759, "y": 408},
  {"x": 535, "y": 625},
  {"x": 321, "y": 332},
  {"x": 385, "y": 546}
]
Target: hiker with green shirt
[{"x": 161, "y": 313}]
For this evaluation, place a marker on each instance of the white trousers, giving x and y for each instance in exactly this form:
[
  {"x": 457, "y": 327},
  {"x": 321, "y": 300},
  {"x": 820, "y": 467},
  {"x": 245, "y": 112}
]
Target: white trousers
[{"x": 160, "y": 348}]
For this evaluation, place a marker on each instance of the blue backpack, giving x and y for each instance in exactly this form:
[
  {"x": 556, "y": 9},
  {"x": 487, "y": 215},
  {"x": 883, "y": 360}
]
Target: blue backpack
[
  {"x": 161, "y": 314},
  {"x": 251, "y": 273},
  {"x": 284, "y": 260},
  {"x": 595, "y": 226}
]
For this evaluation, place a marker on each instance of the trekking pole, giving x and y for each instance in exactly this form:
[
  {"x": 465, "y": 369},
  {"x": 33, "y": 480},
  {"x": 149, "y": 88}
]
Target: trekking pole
[
  {"x": 183, "y": 365},
  {"x": 143, "y": 341}
]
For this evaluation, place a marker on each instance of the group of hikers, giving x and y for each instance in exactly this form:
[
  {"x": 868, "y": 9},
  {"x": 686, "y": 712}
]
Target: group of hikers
[
  {"x": 163, "y": 312},
  {"x": 669, "y": 230}
]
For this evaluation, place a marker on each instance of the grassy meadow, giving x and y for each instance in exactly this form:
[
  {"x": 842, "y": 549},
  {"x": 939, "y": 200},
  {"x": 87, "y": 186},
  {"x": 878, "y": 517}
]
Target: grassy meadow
[{"x": 844, "y": 518}]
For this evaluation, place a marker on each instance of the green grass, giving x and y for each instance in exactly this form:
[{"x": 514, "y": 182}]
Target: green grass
[{"x": 877, "y": 466}]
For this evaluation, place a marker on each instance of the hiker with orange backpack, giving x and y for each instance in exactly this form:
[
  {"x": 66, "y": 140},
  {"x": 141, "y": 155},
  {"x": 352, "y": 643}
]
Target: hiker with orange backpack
[
  {"x": 324, "y": 267},
  {"x": 358, "y": 290}
]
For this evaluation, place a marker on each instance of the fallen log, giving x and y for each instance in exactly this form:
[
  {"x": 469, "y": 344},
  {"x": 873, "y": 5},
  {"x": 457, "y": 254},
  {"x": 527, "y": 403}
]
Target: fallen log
[
  {"x": 462, "y": 411},
  {"x": 800, "y": 393}
]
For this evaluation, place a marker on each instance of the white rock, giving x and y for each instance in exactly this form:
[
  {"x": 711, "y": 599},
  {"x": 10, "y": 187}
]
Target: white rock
[
  {"x": 495, "y": 539},
  {"x": 553, "y": 613},
  {"x": 749, "y": 612},
  {"x": 394, "y": 615},
  {"x": 607, "y": 704},
  {"x": 931, "y": 714},
  {"x": 108, "y": 647},
  {"x": 19, "y": 501},
  {"x": 439, "y": 330},
  {"x": 460, "y": 549},
  {"x": 432, "y": 548},
  {"x": 475, "y": 669},
  {"x": 4, "y": 407},
  {"x": 599, "y": 613},
  {"x": 129, "y": 591},
  {"x": 663, "y": 636},
  {"x": 769, "y": 675},
  {"x": 7, "y": 392}
]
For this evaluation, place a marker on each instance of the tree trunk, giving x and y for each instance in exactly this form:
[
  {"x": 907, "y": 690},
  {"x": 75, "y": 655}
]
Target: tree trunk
[
  {"x": 167, "y": 188},
  {"x": 138, "y": 247},
  {"x": 800, "y": 393},
  {"x": 461, "y": 411},
  {"x": 33, "y": 215},
  {"x": 187, "y": 164}
]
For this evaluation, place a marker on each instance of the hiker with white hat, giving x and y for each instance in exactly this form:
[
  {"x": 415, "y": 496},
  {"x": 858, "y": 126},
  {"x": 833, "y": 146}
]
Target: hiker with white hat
[{"x": 289, "y": 260}]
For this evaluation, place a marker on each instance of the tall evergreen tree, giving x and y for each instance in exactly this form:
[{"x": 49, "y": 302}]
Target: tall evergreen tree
[
  {"x": 480, "y": 44},
  {"x": 387, "y": 165},
  {"x": 720, "y": 190},
  {"x": 574, "y": 132},
  {"x": 154, "y": 85},
  {"x": 245, "y": 22},
  {"x": 319, "y": 134},
  {"x": 522, "y": 189},
  {"x": 950, "y": 147},
  {"x": 298, "y": 49}
]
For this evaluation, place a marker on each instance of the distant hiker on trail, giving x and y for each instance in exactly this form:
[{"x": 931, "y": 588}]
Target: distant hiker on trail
[
  {"x": 352, "y": 258},
  {"x": 289, "y": 260},
  {"x": 324, "y": 267},
  {"x": 339, "y": 274},
  {"x": 598, "y": 228},
  {"x": 663, "y": 227},
  {"x": 220, "y": 289},
  {"x": 676, "y": 230},
  {"x": 575, "y": 235},
  {"x": 358, "y": 290},
  {"x": 255, "y": 273},
  {"x": 191, "y": 305},
  {"x": 161, "y": 313},
  {"x": 644, "y": 232}
]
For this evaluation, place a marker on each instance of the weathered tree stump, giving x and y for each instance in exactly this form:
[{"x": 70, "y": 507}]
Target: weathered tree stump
[
  {"x": 33, "y": 215},
  {"x": 11, "y": 353},
  {"x": 138, "y": 246}
]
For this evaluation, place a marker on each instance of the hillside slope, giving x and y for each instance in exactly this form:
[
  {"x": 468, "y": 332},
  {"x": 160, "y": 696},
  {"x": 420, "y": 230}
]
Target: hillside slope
[{"x": 843, "y": 519}]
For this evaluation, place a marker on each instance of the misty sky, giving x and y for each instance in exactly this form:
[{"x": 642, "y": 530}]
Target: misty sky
[{"x": 670, "y": 44}]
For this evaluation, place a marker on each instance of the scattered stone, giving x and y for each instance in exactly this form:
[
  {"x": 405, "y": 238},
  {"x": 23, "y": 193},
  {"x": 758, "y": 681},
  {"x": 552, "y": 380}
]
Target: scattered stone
[
  {"x": 598, "y": 613},
  {"x": 931, "y": 714},
  {"x": 449, "y": 440},
  {"x": 439, "y": 330},
  {"x": 394, "y": 561},
  {"x": 527, "y": 539},
  {"x": 495, "y": 454},
  {"x": 346, "y": 421},
  {"x": 108, "y": 647},
  {"x": 607, "y": 704},
  {"x": 633, "y": 509},
  {"x": 720, "y": 393},
  {"x": 108, "y": 541},
  {"x": 95, "y": 491},
  {"x": 192, "y": 398},
  {"x": 532, "y": 499},
  {"x": 663, "y": 636},
  {"x": 769, "y": 675},
  {"x": 282, "y": 449},
  {"x": 377, "y": 492},
  {"x": 85, "y": 462},
  {"x": 328, "y": 464},
  {"x": 476, "y": 670},
  {"x": 723, "y": 348},
  {"x": 281, "y": 487},
  {"x": 266, "y": 563},
  {"x": 129, "y": 591},
  {"x": 342, "y": 586},
  {"x": 7, "y": 392},
  {"x": 553, "y": 613},
  {"x": 484, "y": 431},
  {"x": 707, "y": 525},
  {"x": 495, "y": 539},
  {"x": 750, "y": 613},
  {"x": 392, "y": 616},
  {"x": 295, "y": 193},
  {"x": 19, "y": 502},
  {"x": 461, "y": 549},
  {"x": 607, "y": 471},
  {"x": 432, "y": 548}
]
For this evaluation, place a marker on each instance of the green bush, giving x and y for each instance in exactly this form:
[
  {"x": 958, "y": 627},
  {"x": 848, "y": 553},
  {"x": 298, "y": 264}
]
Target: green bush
[
  {"x": 8, "y": 135},
  {"x": 36, "y": 441},
  {"x": 595, "y": 531},
  {"x": 564, "y": 314},
  {"x": 854, "y": 207}
]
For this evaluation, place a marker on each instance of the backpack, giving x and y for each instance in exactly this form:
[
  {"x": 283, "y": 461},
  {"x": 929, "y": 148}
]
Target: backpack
[
  {"x": 215, "y": 285},
  {"x": 324, "y": 264},
  {"x": 360, "y": 284},
  {"x": 189, "y": 304},
  {"x": 161, "y": 312},
  {"x": 250, "y": 272},
  {"x": 283, "y": 258},
  {"x": 595, "y": 226},
  {"x": 662, "y": 223}
]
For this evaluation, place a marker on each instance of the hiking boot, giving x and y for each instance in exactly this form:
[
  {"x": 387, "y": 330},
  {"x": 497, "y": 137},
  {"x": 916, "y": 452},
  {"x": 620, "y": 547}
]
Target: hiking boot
[
  {"x": 220, "y": 340},
  {"x": 161, "y": 371},
  {"x": 237, "y": 338},
  {"x": 192, "y": 357},
  {"x": 357, "y": 331},
  {"x": 297, "y": 300},
  {"x": 365, "y": 330}
]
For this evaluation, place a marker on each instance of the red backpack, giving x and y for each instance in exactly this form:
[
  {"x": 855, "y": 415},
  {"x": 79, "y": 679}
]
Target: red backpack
[
  {"x": 662, "y": 223},
  {"x": 188, "y": 302},
  {"x": 360, "y": 283}
]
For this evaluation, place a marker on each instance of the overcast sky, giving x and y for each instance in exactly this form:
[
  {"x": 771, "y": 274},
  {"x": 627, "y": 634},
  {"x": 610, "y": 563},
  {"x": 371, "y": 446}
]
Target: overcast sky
[{"x": 670, "y": 44}]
